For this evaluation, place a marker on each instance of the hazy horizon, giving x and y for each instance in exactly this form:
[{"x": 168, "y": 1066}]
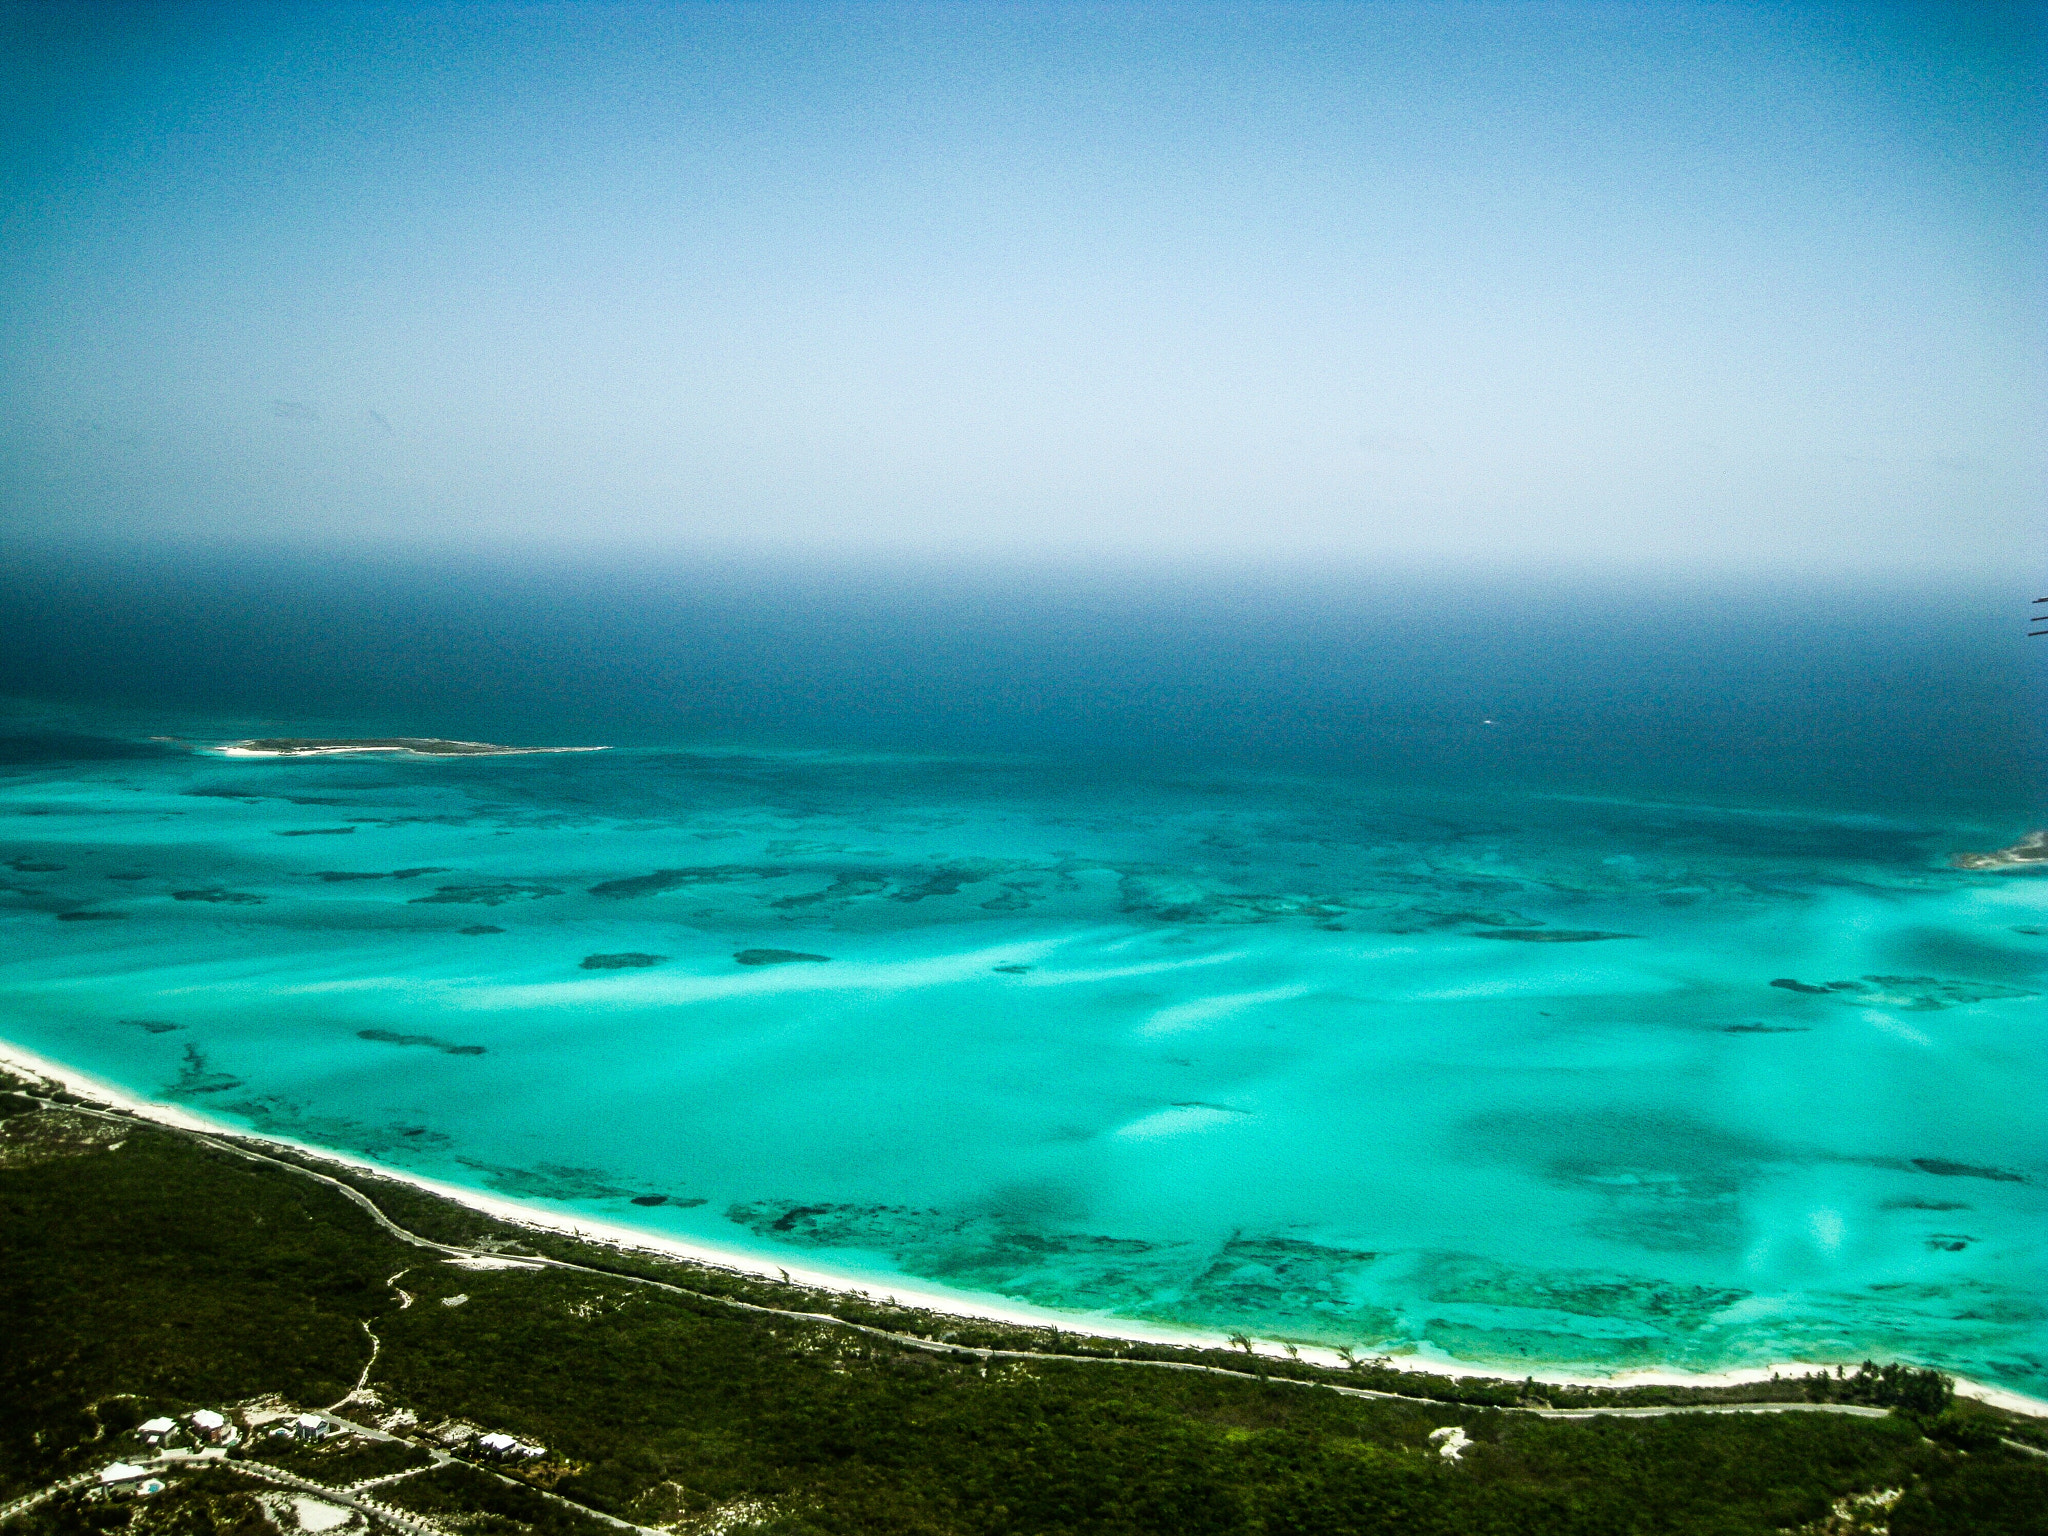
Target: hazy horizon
[{"x": 1744, "y": 290}]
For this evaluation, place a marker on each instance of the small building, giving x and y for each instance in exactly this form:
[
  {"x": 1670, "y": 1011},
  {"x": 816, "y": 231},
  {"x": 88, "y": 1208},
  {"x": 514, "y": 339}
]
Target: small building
[
  {"x": 310, "y": 1426},
  {"x": 156, "y": 1431},
  {"x": 213, "y": 1428},
  {"x": 122, "y": 1475},
  {"x": 505, "y": 1448},
  {"x": 1450, "y": 1441}
]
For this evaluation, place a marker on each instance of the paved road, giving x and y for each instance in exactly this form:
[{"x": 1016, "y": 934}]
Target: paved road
[
  {"x": 29, "y": 1501},
  {"x": 354, "y": 1496},
  {"x": 405, "y": 1520},
  {"x": 410, "y": 1523}
]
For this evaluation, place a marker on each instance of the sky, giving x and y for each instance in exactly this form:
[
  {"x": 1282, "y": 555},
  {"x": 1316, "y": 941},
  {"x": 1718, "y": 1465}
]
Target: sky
[{"x": 1656, "y": 288}]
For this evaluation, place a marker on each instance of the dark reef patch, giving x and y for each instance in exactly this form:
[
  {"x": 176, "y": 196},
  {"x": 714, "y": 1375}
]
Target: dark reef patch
[
  {"x": 633, "y": 887},
  {"x": 1174, "y": 897},
  {"x": 1298, "y": 1288},
  {"x": 287, "y": 1117},
  {"x": 477, "y": 928},
  {"x": 681, "y": 1202},
  {"x": 1551, "y": 935},
  {"x": 317, "y": 832},
  {"x": 221, "y": 897},
  {"x": 778, "y": 957},
  {"x": 152, "y": 1026},
  {"x": 631, "y": 960},
  {"x": 487, "y": 895},
  {"x": 28, "y": 866},
  {"x": 947, "y": 878},
  {"x": 1916, "y": 994},
  {"x": 91, "y": 915},
  {"x": 1489, "y": 918},
  {"x": 195, "y": 1078},
  {"x": 849, "y": 885},
  {"x": 1282, "y": 1278},
  {"x": 1012, "y": 970},
  {"x": 337, "y": 876},
  {"x": 1943, "y": 1168},
  {"x": 1927, "y": 993},
  {"x": 392, "y": 1037},
  {"x": 1765, "y": 1029},
  {"x": 548, "y": 1181}
]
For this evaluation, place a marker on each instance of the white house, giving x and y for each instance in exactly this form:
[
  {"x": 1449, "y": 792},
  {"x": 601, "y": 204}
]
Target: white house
[
  {"x": 114, "y": 1474},
  {"x": 504, "y": 1445},
  {"x": 1450, "y": 1441},
  {"x": 310, "y": 1426},
  {"x": 212, "y": 1427},
  {"x": 156, "y": 1431}
]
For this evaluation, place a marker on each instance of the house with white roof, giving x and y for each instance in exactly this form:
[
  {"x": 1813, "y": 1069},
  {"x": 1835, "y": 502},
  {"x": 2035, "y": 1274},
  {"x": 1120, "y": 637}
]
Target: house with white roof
[
  {"x": 505, "y": 1446},
  {"x": 310, "y": 1426},
  {"x": 156, "y": 1431},
  {"x": 124, "y": 1478}
]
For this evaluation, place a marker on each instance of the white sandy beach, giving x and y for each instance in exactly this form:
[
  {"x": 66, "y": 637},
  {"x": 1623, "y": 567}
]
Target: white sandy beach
[{"x": 956, "y": 1304}]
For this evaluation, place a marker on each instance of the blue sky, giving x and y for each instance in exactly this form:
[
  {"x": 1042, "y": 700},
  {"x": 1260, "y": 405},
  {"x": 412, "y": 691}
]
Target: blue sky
[{"x": 1726, "y": 287}]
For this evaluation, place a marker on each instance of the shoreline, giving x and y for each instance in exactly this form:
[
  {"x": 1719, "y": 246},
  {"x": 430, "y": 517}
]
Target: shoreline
[{"x": 952, "y": 1303}]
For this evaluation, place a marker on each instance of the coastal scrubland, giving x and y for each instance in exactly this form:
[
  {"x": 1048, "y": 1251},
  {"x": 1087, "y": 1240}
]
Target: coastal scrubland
[{"x": 147, "y": 1271}]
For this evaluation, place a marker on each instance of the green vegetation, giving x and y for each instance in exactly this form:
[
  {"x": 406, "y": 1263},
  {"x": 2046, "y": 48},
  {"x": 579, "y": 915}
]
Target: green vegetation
[
  {"x": 206, "y": 1504},
  {"x": 477, "y": 1501},
  {"x": 337, "y": 1463},
  {"x": 149, "y": 1273}
]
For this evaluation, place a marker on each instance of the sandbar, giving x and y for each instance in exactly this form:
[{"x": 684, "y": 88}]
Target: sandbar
[
  {"x": 2031, "y": 849},
  {"x": 408, "y": 746}
]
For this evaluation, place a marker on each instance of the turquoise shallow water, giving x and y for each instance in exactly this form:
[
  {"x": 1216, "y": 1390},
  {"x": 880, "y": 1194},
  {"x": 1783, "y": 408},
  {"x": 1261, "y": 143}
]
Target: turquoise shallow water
[{"x": 1509, "y": 1078}]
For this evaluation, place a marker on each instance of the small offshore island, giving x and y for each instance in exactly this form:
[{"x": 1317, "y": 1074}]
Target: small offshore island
[
  {"x": 410, "y": 746},
  {"x": 2031, "y": 849}
]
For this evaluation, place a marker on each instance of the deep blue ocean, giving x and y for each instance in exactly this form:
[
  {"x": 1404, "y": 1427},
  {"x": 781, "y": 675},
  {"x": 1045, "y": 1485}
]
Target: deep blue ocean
[{"x": 1525, "y": 972}]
